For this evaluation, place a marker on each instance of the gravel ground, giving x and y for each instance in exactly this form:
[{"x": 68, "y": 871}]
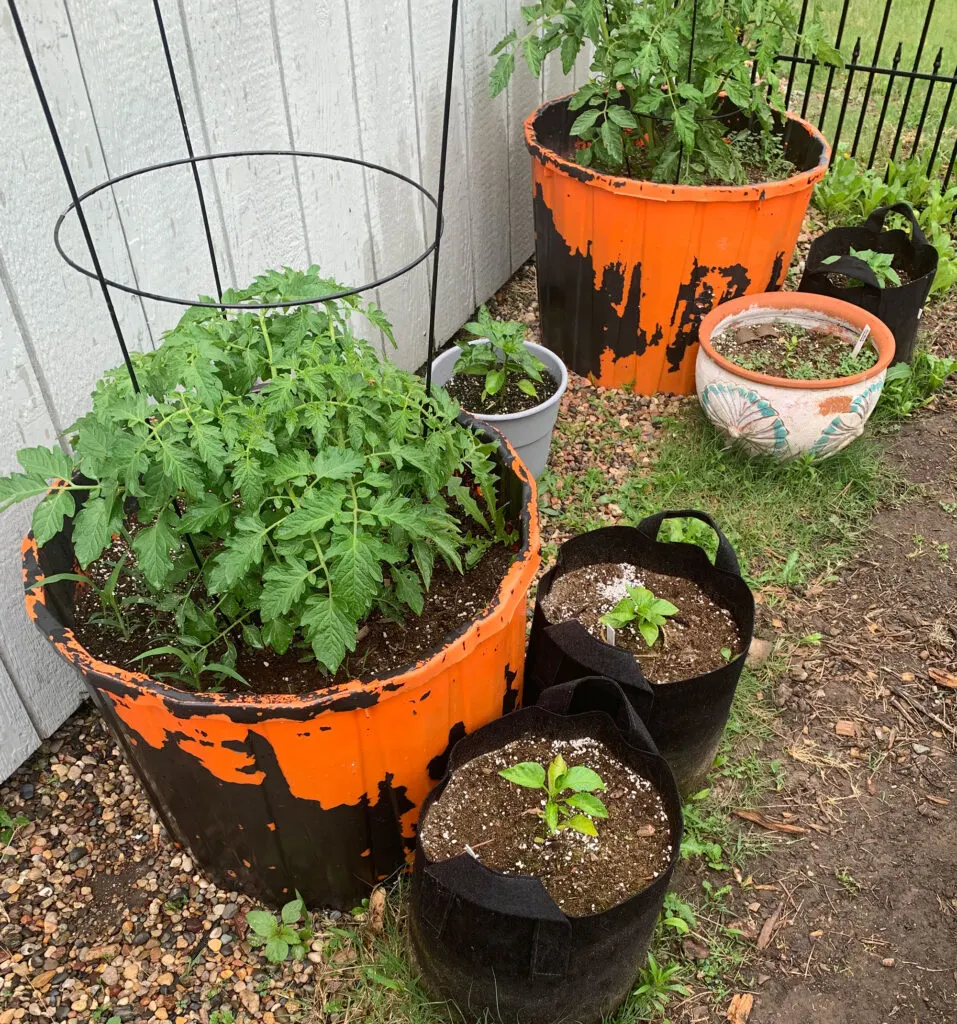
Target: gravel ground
[{"x": 101, "y": 915}]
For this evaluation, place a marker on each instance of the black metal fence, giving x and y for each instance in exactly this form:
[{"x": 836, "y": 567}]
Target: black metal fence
[{"x": 878, "y": 111}]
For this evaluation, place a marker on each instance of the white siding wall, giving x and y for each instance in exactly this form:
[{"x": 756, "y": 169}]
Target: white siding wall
[{"x": 361, "y": 79}]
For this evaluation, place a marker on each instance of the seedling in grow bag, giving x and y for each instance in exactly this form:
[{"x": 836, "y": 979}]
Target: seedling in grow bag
[
  {"x": 280, "y": 937},
  {"x": 641, "y": 610},
  {"x": 562, "y": 812},
  {"x": 503, "y": 361},
  {"x": 879, "y": 262}
]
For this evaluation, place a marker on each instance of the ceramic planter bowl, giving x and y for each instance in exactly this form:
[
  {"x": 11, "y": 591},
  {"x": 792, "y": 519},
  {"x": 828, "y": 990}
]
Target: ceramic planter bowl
[
  {"x": 528, "y": 432},
  {"x": 785, "y": 418}
]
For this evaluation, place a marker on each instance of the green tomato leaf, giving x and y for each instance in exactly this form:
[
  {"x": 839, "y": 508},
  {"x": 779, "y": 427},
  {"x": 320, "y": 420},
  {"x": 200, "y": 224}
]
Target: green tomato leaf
[
  {"x": 622, "y": 117},
  {"x": 49, "y": 463},
  {"x": 49, "y": 514}
]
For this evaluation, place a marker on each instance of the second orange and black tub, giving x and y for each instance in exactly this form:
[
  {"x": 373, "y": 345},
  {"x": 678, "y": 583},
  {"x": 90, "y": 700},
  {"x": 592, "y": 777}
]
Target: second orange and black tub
[
  {"x": 318, "y": 792},
  {"x": 627, "y": 268}
]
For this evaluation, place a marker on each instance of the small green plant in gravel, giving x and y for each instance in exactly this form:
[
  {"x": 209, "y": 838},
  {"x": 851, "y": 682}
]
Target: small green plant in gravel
[
  {"x": 643, "y": 611},
  {"x": 9, "y": 823},
  {"x": 317, "y": 482},
  {"x": 288, "y": 934},
  {"x": 879, "y": 262},
  {"x": 560, "y": 812},
  {"x": 504, "y": 360}
]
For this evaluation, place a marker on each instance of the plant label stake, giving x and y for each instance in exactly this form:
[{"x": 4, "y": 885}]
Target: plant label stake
[
  {"x": 610, "y": 635},
  {"x": 860, "y": 341}
]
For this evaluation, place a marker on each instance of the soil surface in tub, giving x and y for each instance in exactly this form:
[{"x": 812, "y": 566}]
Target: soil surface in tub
[
  {"x": 788, "y": 350},
  {"x": 499, "y": 822},
  {"x": 453, "y": 600},
  {"x": 700, "y": 638},
  {"x": 467, "y": 388}
]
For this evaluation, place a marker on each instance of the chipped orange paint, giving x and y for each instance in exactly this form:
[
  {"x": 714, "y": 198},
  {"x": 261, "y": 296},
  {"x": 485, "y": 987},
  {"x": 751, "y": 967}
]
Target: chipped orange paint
[
  {"x": 835, "y": 405},
  {"x": 361, "y": 746},
  {"x": 625, "y": 225}
]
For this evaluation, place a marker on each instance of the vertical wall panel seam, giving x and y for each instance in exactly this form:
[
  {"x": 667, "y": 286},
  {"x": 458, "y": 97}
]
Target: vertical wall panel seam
[
  {"x": 21, "y": 325},
  {"x": 6, "y": 662},
  {"x": 508, "y": 155},
  {"x": 277, "y": 47},
  {"x": 363, "y": 172},
  {"x": 106, "y": 167},
  {"x": 419, "y": 147},
  {"x": 194, "y": 79}
]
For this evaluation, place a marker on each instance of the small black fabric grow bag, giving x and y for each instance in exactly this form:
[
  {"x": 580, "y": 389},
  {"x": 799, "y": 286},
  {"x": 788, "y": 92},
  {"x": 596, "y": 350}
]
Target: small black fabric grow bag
[
  {"x": 497, "y": 945},
  {"x": 901, "y": 307},
  {"x": 686, "y": 718}
]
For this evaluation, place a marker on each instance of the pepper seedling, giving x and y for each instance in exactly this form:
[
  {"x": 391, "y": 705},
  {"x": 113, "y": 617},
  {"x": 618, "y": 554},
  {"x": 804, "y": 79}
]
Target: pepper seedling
[
  {"x": 574, "y": 811},
  {"x": 641, "y": 610}
]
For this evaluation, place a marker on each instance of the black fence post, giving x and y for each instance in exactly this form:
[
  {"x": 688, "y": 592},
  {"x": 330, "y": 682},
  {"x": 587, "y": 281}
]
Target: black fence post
[{"x": 878, "y": 46}]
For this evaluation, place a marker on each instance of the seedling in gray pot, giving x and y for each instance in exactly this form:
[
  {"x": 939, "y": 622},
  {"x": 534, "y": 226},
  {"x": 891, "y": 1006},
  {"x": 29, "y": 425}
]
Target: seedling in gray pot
[{"x": 504, "y": 358}]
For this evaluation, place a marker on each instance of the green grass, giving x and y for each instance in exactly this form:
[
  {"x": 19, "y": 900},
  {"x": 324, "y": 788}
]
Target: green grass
[
  {"x": 904, "y": 25},
  {"x": 789, "y": 523}
]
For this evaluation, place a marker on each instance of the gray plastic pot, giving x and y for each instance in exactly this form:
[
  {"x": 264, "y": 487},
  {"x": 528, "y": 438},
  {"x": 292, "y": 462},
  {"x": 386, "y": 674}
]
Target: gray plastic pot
[{"x": 528, "y": 432}]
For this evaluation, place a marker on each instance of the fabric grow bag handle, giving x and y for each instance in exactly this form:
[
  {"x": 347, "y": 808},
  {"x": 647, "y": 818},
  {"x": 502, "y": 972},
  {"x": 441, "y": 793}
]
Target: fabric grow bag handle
[
  {"x": 571, "y": 642},
  {"x": 465, "y": 878},
  {"x": 598, "y": 693},
  {"x": 876, "y": 220},
  {"x": 849, "y": 266},
  {"x": 725, "y": 559}
]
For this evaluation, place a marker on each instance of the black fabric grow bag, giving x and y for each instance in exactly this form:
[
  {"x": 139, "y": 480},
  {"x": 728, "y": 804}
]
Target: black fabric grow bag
[
  {"x": 686, "y": 718},
  {"x": 497, "y": 945},
  {"x": 898, "y": 307}
]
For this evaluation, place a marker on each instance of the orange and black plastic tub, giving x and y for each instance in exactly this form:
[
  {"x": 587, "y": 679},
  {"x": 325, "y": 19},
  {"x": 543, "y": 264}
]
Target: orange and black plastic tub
[
  {"x": 318, "y": 792},
  {"x": 627, "y": 268}
]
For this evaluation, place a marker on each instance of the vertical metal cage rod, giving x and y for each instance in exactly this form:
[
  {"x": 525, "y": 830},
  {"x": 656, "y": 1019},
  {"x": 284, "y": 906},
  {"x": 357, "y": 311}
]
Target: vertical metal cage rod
[
  {"x": 694, "y": 28},
  {"x": 189, "y": 146},
  {"x": 878, "y": 46},
  {"x": 71, "y": 185},
  {"x": 910, "y": 83},
  {"x": 440, "y": 197}
]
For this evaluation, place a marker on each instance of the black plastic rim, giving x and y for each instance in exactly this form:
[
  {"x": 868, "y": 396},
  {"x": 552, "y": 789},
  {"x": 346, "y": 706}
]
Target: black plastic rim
[{"x": 209, "y": 157}]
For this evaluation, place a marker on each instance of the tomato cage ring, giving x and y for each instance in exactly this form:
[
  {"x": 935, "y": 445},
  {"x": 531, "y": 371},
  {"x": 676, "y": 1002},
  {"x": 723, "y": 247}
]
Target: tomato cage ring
[{"x": 209, "y": 158}]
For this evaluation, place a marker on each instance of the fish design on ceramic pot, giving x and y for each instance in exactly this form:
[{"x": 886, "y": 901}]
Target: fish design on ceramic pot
[{"x": 746, "y": 417}]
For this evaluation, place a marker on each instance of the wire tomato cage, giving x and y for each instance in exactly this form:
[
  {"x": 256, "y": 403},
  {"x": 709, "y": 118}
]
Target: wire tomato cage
[{"x": 95, "y": 269}]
